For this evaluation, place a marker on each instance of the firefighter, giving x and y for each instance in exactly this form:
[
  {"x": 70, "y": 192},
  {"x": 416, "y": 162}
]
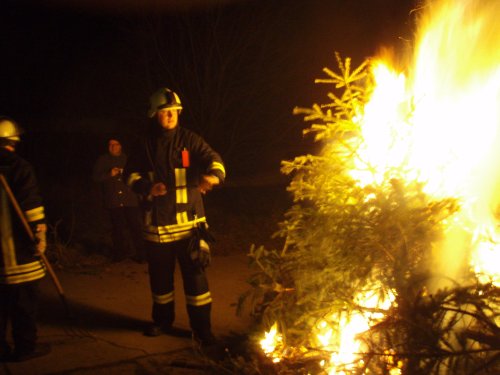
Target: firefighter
[
  {"x": 172, "y": 171},
  {"x": 20, "y": 268}
]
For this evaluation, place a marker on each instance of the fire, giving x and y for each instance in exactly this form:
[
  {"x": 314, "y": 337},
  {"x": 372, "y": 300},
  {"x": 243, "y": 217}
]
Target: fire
[
  {"x": 437, "y": 122},
  {"x": 271, "y": 342},
  {"x": 440, "y": 125},
  {"x": 351, "y": 326}
]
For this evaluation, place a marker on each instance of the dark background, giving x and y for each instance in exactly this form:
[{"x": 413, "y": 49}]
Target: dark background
[{"x": 74, "y": 72}]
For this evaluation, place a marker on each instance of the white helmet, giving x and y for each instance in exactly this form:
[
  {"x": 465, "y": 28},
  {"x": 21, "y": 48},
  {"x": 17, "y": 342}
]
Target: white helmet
[
  {"x": 9, "y": 129},
  {"x": 164, "y": 98}
]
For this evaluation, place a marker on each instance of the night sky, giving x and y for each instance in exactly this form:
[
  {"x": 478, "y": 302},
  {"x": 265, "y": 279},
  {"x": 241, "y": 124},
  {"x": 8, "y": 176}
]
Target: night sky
[{"x": 73, "y": 74}]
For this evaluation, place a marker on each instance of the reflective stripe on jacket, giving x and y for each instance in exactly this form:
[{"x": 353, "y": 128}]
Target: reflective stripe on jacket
[{"x": 18, "y": 263}]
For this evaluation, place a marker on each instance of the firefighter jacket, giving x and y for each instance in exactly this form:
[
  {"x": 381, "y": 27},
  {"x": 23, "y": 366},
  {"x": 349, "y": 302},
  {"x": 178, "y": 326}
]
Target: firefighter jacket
[
  {"x": 18, "y": 263},
  {"x": 115, "y": 191},
  {"x": 176, "y": 157}
]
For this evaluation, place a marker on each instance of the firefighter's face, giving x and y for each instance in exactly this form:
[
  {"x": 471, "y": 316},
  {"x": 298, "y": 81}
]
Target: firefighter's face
[{"x": 168, "y": 118}]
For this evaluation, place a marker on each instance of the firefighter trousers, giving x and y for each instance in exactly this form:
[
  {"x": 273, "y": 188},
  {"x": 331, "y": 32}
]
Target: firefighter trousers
[
  {"x": 162, "y": 258},
  {"x": 18, "y": 304}
]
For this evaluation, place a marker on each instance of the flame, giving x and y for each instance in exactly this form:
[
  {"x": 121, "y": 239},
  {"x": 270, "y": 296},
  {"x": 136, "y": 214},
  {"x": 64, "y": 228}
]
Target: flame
[
  {"x": 440, "y": 125},
  {"x": 457, "y": 90},
  {"x": 272, "y": 340},
  {"x": 351, "y": 326},
  {"x": 438, "y": 122}
]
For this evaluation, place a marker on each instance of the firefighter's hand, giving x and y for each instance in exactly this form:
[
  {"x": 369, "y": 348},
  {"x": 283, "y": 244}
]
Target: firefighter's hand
[
  {"x": 116, "y": 171},
  {"x": 41, "y": 238},
  {"x": 207, "y": 182},
  {"x": 158, "y": 189}
]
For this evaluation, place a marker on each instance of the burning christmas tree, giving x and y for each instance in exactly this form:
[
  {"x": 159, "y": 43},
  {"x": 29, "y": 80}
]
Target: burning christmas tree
[{"x": 390, "y": 256}]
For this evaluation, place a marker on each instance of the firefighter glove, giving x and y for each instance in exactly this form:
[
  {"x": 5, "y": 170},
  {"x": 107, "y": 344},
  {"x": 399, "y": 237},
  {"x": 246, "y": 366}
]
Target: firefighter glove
[
  {"x": 41, "y": 238},
  {"x": 199, "y": 248},
  {"x": 205, "y": 257},
  {"x": 199, "y": 251}
]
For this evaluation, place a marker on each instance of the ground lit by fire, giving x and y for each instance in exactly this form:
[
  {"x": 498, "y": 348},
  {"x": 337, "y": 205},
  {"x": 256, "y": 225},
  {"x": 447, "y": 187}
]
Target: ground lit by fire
[{"x": 435, "y": 119}]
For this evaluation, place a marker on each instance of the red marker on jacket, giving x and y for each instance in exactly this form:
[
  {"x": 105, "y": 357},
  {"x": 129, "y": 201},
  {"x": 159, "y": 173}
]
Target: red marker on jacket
[{"x": 185, "y": 158}]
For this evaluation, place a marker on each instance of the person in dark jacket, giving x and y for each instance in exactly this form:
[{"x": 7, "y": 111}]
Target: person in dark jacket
[
  {"x": 172, "y": 171},
  {"x": 20, "y": 267},
  {"x": 121, "y": 202}
]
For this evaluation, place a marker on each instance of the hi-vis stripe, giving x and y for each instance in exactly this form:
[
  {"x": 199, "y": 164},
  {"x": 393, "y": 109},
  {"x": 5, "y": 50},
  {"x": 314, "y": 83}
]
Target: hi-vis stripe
[
  {"x": 181, "y": 195},
  {"x": 180, "y": 177},
  {"x": 163, "y": 299},
  {"x": 182, "y": 217},
  {"x": 203, "y": 299},
  {"x": 180, "y": 184},
  {"x": 22, "y": 273},
  {"x": 170, "y": 233},
  {"x": 7, "y": 240},
  {"x": 166, "y": 237},
  {"x": 9, "y": 255},
  {"x": 35, "y": 214},
  {"x": 217, "y": 165}
]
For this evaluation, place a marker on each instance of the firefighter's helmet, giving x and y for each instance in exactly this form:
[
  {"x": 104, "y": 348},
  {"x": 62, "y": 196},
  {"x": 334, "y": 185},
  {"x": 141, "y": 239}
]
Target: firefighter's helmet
[
  {"x": 9, "y": 129},
  {"x": 164, "y": 98}
]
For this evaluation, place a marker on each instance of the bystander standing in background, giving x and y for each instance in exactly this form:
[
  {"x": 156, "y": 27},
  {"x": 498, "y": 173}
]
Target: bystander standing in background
[{"x": 121, "y": 202}]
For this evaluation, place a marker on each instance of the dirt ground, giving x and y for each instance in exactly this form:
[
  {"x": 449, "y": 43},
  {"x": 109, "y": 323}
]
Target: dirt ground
[
  {"x": 109, "y": 307},
  {"x": 110, "y": 303}
]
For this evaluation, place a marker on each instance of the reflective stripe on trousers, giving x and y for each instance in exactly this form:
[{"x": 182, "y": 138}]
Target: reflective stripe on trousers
[{"x": 162, "y": 259}]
